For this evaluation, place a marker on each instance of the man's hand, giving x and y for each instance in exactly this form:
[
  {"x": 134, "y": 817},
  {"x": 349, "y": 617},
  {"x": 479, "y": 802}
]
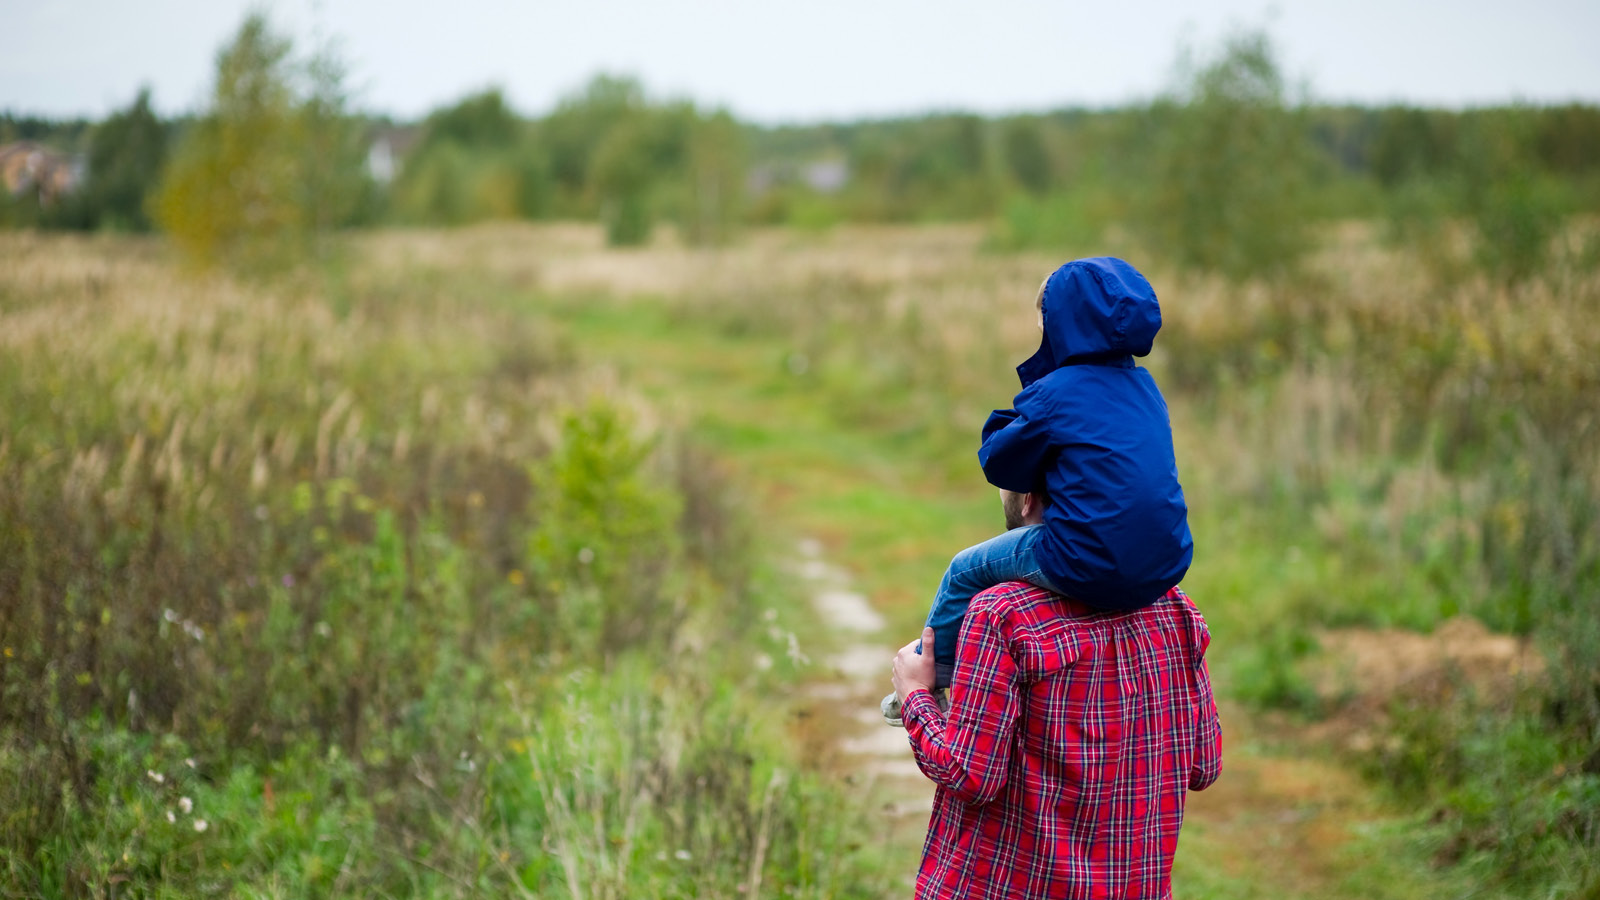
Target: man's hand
[{"x": 913, "y": 670}]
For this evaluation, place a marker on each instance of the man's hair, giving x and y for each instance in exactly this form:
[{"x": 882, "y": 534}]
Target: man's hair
[
  {"x": 1038, "y": 302},
  {"x": 1011, "y": 506}
]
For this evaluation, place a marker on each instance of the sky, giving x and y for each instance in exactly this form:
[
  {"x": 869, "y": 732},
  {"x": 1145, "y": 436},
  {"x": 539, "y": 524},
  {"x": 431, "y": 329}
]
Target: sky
[{"x": 777, "y": 61}]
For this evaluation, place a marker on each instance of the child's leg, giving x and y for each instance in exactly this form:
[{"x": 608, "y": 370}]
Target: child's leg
[{"x": 1009, "y": 557}]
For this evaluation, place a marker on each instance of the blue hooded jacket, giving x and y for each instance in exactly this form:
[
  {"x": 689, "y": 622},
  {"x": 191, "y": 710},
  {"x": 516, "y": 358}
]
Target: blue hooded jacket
[{"x": 1091, "y": 429}]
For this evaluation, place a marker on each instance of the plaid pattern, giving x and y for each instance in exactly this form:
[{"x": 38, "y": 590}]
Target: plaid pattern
[{"x": 1072, "y": 738}]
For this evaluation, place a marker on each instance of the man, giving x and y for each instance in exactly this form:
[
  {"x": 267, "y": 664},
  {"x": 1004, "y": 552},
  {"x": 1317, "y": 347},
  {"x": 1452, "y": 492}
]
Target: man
[{"x": 1071, "y": 740}]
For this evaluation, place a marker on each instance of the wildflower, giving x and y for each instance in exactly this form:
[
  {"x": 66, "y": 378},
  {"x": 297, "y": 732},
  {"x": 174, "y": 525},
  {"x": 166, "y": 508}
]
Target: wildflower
[
  {"x": 288, "y": 580},
  {"x": 169, "y": 615},
  {"x": 200, "y": 825},
  {"x": 514, "y": 576},
  {"x": 585, "y": 556},
  {"x": 171, "y": 818},
  {"x": 186, "y": 805},
  {"x": 795, "y": 655},
  {"x": 189, "y": 761},
  {"x": 682, "y": 855},
  {"x": 155, "y": 776},
  {"x": 323, "y": 630}
]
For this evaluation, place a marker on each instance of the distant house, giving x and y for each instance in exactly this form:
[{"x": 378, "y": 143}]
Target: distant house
[
  {"x": 388, "y": 150},
  {"x": 27, "y": 167},
  {"x": 825, "y": 176}
]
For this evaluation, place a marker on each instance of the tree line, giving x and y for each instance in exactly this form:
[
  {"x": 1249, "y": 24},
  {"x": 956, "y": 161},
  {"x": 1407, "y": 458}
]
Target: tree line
[{"x": 1229, "y": 170}]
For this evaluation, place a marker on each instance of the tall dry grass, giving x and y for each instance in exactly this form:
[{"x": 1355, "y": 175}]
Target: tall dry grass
[{"x": 300, "y": 582}]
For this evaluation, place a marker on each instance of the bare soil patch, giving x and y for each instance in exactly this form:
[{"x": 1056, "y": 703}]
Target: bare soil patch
[{"x": 1361, "y": 672}]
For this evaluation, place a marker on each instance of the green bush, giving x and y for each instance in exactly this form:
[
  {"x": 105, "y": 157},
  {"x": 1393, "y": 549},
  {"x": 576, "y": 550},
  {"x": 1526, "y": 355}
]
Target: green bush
[
  {"x": 604, "y": 542},
  {"x": 1517, "y": 219},
  {"x": 1515, "y": 811}
]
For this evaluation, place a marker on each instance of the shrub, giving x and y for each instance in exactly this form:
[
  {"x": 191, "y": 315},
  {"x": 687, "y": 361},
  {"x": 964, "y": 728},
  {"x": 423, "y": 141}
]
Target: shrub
[{"x": 604, "y": 542}]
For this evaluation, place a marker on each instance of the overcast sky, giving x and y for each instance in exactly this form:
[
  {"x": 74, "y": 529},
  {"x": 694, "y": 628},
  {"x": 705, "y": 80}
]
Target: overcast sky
[{"x": 819, "y": 59}]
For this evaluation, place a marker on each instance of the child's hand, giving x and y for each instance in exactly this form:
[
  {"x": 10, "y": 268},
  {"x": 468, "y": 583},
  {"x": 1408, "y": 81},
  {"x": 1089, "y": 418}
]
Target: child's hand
[{"x": 913, "y": 670}]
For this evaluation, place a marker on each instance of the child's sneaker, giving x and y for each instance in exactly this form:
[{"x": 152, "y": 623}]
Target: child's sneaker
[{"x": 890, "y": 707}]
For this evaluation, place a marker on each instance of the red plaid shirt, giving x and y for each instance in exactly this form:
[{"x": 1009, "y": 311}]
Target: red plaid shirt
[{"x": 1071, "y": 740}]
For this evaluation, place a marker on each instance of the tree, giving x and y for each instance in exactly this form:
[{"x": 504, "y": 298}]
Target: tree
[
  {"x": 716, "y": 174},
  {"x": 272, "y": 167},
  {"x": 474, "y": 161},
  {"x": 1026, "y": 156},
  {"x": 126, "y": 153},
  {"x": 622, "y": 175},
  {"x": 334, "y": 185},
  {"x": 1231, "y": 168},
  {"x": 574, "y": 133}
]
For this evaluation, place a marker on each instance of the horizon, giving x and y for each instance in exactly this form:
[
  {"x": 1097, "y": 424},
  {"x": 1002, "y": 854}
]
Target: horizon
[{"x": 880, "y": 67}]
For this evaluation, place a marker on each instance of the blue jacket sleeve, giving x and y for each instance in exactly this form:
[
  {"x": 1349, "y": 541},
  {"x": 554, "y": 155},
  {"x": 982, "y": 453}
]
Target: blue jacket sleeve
[{"x": 1014, "y": 451}]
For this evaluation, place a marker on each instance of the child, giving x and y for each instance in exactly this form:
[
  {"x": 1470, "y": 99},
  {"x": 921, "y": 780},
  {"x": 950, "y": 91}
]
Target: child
[{"x": 1090, "y": 432}]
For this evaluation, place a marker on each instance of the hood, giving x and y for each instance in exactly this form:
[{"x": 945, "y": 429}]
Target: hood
[{"x": 1098, "y": 310}]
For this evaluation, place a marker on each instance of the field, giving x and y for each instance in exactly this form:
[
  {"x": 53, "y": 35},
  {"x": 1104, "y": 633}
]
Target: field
[{"x": 463, "y": 564}]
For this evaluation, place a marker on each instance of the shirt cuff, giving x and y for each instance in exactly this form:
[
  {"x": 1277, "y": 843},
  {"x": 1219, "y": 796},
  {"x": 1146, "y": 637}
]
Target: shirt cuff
[{"x": 920, "y": 706}]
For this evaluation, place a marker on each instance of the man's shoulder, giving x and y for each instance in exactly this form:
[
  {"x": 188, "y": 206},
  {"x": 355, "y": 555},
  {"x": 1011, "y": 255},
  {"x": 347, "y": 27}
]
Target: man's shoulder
[
  {"x": 1010, "y": 597},
  {"x": 1019, "y": 604},
  {"x": 1018, "y": 599}
]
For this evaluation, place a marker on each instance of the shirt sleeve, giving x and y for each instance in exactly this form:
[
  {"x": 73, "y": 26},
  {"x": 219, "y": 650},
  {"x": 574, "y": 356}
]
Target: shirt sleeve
[
  {"x": 1014, "y": 450},
  {"x": 1207, "y": 762},
  {"x": 969, "y": 751}
]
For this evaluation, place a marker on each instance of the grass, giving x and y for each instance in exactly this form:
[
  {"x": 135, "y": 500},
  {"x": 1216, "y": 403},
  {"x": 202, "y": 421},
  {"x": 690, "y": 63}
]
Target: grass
[
  {"x": 359, "y": 587},
  {"x": 1365, "y": 447}
]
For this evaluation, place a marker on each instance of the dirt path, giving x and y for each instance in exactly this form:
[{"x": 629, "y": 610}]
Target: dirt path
[
  {"x": 860, "y": 670},
  {"x": 847, "y": 733}
]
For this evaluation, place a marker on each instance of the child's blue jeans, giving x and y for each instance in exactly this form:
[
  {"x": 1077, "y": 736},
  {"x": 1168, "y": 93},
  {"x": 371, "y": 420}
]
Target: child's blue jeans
[{"x": 1009, "y": 557}]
